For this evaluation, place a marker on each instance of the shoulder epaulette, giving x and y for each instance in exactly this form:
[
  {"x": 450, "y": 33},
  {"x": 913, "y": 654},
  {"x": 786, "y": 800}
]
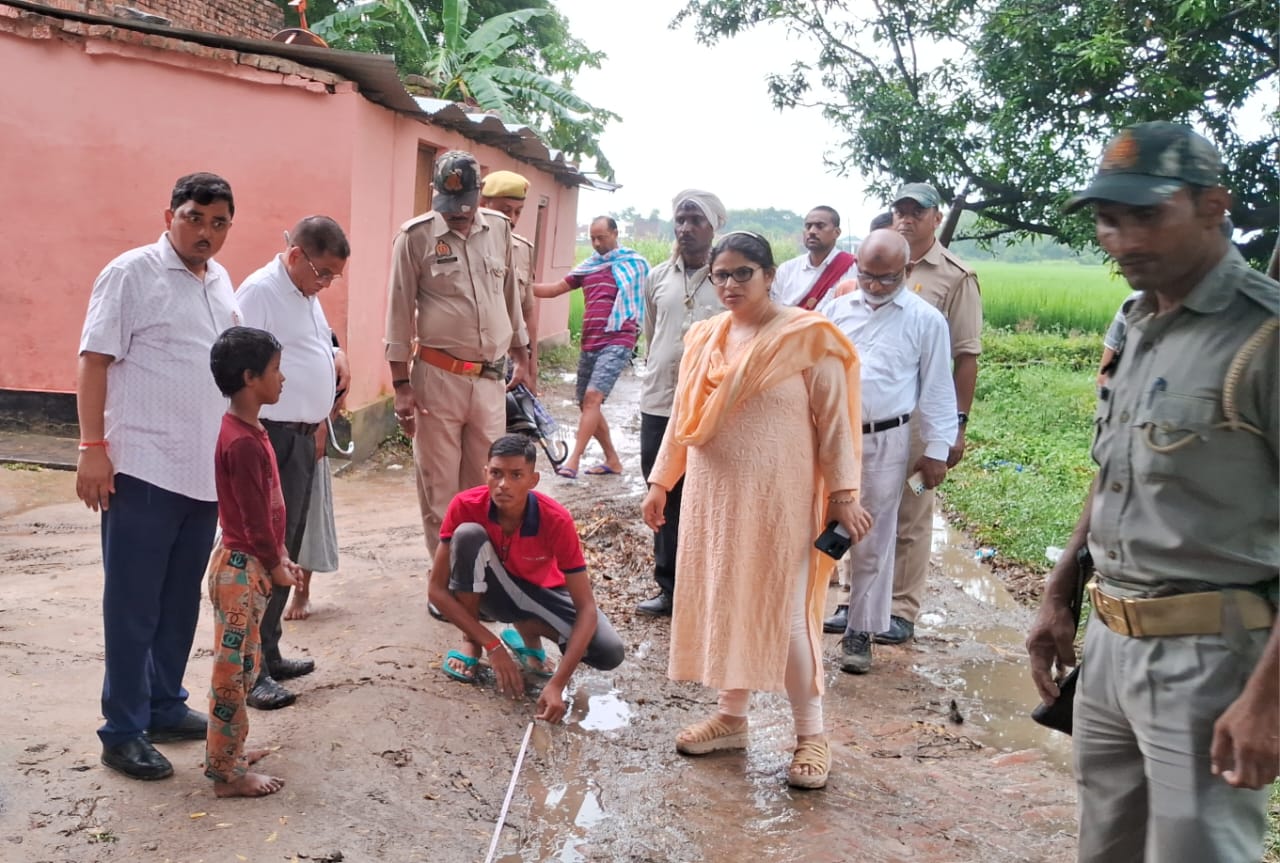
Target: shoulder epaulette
[{"x": 419, "y": 220}]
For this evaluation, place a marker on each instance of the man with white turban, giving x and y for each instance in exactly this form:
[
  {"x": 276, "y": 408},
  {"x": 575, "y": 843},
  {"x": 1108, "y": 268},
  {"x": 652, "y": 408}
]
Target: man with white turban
[{"x": 676, "y": 293}]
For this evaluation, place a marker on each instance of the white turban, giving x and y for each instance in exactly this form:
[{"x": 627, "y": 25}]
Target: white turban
[{"x": 708, "y": 203}]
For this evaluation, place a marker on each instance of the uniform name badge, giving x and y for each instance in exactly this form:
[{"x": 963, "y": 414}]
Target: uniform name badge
[{"x": 444, "y": 254}]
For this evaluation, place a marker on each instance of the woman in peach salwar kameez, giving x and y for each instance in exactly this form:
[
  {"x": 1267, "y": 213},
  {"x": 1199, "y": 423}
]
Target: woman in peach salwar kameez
[{"x": 765, "y": 430}]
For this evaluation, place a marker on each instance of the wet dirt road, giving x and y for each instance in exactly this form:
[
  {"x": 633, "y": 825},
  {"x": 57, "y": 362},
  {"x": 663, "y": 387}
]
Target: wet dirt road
[{"x": 388, "y": 760}]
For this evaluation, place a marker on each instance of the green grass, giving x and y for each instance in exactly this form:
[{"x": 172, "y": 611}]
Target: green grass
[
  {"x": 1026, "y": 468},
  {"x": 1060, "y": 297}
]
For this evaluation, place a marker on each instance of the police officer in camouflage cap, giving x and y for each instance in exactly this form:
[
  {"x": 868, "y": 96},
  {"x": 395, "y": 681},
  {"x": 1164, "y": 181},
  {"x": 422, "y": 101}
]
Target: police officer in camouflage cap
[{"x": 1177, "y": 708}]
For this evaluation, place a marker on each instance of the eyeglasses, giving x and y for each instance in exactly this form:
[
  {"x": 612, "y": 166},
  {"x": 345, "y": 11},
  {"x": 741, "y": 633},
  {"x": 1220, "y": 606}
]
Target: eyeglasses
[
  {"x": 325, "y": 278},
  {"x": 196, "y": 220},
  {"x": 742, "y": 275},
  {"x": 889, "y": 280}
]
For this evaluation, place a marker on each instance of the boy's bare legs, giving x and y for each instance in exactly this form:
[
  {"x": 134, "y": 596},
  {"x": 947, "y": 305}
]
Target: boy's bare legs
[
  {"x": 250, "y": 784},
  {"x": 300, "y": 605}
]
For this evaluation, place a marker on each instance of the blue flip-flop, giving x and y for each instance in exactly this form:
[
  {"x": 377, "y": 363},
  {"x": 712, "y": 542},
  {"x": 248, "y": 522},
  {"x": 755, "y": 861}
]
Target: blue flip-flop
[
  {"x": 469, "y": 661},
  {"x": 523, "y": 654}
]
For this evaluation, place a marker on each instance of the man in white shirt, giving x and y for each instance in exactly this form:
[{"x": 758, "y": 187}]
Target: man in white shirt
[
  {"x": 905, "y": 354},
  {"x": 807, "y": 280},
  {"x": 677, "y": 293},
  {"x": 281, "y": 298},
  {"x": 149, "y": 415}
]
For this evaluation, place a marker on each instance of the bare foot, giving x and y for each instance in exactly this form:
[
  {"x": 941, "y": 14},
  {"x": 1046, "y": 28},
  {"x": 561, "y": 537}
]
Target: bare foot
[
  {"x": 253, "y": 756},
  {"x": 299, "y": 606},
  {"x": 249, "y": 785}
]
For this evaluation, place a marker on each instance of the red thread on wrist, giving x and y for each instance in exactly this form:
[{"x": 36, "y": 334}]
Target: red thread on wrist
[
  {"x": 489, "y": 648},
  {"x": 86, "y": 444}
]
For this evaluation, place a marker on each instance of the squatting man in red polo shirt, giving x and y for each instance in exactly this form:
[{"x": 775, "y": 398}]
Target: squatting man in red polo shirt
[{"x": 514, "y": 554}]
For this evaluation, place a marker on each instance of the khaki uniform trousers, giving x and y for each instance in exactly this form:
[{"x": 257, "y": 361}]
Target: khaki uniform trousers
[
  {"x": 451, "y": 441},
  {"x": 1143, "y": 724},
  {"x": 915, "y": 538}
]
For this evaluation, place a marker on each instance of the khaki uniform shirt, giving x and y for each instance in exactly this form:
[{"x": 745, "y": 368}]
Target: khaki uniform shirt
[
  {"x": 1179, "y": 497},
  {"x": 522, "y": 262},
  {"x": 674, "y": 298},
  {"x": 951, "y": 286},
  {"x": 452, "y": 293}
]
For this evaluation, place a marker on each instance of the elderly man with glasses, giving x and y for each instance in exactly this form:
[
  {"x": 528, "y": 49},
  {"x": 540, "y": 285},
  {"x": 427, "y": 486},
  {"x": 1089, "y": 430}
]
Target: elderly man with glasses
[
  {"x": 281, "y": 298},
  {"x": 905, "y": 354}
]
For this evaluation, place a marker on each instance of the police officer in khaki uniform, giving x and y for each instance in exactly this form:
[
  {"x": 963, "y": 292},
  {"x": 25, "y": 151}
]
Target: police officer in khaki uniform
[
  {"x": 1177, "y": 708},
  {"x": 505, "y": 192},
  {"x": 454, "y": 310},
  {"x": 950, "y": 285}
]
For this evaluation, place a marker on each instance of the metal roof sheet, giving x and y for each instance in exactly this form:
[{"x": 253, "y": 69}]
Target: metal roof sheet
[{"x": 379, "y": 82}]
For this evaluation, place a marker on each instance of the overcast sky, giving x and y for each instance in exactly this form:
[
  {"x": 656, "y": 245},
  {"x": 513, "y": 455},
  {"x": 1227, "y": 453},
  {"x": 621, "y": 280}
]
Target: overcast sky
[{"x": 698, "y": 116}]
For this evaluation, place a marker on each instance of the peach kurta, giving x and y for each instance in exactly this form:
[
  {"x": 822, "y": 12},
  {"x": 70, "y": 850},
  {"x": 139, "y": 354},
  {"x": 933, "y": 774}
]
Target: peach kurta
[{"x": 759, "y": 438}]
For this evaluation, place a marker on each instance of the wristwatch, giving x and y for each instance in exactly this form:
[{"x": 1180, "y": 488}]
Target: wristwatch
[{"x": 962, "y": 418}]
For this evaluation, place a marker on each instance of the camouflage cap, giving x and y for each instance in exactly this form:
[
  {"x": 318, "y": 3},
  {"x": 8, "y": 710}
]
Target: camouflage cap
[
  {"x": 922, "y": 193},
  {"x": 457, "y": 182},
  {"x": 1146, "y": 163}
]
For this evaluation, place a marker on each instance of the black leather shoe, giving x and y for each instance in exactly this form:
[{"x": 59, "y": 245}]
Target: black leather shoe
[
  {"x": 900, "y": 631},
  {"x": 837, "y": 622},
  {"x": 658, "y": 606},
  {"x": 269, "y": 695},
  {"x": 287, "y": 669},
  {"x": 137, "y": 759},
  {"x": 194, "y": 726}
]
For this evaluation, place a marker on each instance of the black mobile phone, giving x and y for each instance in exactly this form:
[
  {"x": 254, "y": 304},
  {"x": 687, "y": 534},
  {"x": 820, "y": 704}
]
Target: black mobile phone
[{"x": 833, "y": 541}]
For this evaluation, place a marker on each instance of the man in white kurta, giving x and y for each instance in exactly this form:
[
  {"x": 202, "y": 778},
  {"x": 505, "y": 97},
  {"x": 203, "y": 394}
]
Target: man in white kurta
[{"x": 905, "y": 355}]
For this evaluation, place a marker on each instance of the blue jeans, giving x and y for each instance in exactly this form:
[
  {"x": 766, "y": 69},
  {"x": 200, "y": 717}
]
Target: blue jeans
[{"x": 155, "y": 548}]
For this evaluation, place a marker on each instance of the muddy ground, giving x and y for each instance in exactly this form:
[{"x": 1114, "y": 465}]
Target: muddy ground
[{"x": 386, "y": 759}]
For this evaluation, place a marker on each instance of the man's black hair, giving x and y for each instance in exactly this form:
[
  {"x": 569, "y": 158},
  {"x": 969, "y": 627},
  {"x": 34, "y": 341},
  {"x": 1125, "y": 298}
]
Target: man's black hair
[
  {"x": 831, "y": 211},
  {"x": 514, "y": 445},
  {"x": 202, "y": 188},
  {"x": 320, "y": 235},
  {"x": 239, "y": 350},
  {"x": 884, "y": 220},
  {"x": 608, "y": 220}
]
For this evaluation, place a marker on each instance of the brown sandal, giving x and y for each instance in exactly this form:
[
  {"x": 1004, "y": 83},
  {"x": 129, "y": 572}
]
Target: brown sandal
[
  {"x": 810, "y": 753},
  {"x": 710, "y": 735}
]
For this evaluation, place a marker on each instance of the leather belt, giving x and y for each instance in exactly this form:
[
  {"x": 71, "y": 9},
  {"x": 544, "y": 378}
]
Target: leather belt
[
  {"x": 1181, "y": 614},
  {"x": 301, "y": 428},
  {"x": 885, "y": 425},
  {"x": 495, "y": 370}
]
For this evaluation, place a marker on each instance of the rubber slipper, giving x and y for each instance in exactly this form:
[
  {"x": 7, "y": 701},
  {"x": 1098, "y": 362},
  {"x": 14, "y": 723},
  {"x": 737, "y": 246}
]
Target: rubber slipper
[
  {"x": 567, "y": 472},
  {"x": 523, "y": 654},
  {"x": 602, "y": 470},
  {"x": 470, "y": 662}
]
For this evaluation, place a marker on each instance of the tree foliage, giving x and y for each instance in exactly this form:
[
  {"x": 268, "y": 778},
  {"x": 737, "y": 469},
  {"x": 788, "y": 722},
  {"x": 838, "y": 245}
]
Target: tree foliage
[
  {"x": 1005, "y": 105},
  {"x": 516, "y": 57}
]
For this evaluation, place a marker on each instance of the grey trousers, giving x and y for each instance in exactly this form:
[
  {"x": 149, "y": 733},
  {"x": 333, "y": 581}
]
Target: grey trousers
[
  {"x": 1144, "y": 715},
  {"x": 474, "y": 567}
]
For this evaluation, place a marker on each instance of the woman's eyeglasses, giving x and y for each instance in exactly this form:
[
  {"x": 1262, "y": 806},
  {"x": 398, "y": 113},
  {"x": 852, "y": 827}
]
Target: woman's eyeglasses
[{"x": 741, "y": 275}]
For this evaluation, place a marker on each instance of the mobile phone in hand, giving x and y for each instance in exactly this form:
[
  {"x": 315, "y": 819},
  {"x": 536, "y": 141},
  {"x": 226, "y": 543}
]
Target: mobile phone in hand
[
  {"x": 834, "y": 541},
  {"x": 915, "y": 482}
]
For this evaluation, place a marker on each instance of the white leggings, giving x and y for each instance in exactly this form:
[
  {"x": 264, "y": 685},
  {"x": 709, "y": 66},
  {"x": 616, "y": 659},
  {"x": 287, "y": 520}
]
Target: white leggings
[{"x": 801, "y": 679}]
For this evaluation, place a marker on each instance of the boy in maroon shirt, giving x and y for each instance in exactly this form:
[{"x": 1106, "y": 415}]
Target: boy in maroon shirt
[{"x": 246, "y": 366}]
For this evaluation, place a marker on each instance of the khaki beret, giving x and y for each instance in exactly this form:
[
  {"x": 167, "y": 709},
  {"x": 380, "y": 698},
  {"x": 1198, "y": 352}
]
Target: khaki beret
[{"x": 505, "y": 184}]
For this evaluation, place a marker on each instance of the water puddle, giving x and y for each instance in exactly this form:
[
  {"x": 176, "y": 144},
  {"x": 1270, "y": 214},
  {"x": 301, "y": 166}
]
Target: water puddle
[
  {"x": 605, "y": 712},
  {"x": 997, "y": 691}
]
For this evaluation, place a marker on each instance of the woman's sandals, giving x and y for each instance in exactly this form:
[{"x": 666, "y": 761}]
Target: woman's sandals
[
  {"x": 710, "y": 735},
  {"x": 813, "y": 754}
]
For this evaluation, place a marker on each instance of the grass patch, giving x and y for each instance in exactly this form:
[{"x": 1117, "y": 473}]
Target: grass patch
[
  {"x": 1027, "y": 468},
  {"x": 1060, "y": 296},
  {"x": 1271, "y": 844}
]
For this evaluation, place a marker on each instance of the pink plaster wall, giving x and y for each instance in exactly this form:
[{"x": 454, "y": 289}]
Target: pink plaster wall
[{"x": 93, "y": 140}]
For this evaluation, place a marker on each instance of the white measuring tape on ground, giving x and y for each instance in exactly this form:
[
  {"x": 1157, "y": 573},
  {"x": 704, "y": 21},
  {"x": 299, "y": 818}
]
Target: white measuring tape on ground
[{"x": 511, "y": 789}]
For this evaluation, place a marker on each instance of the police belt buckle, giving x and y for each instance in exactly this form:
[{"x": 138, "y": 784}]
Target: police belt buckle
[{"x": 1181, "y": 614}]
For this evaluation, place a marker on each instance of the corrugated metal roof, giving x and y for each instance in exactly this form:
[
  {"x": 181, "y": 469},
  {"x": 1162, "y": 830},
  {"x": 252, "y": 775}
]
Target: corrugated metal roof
[{"x": 379, "y": 82}]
